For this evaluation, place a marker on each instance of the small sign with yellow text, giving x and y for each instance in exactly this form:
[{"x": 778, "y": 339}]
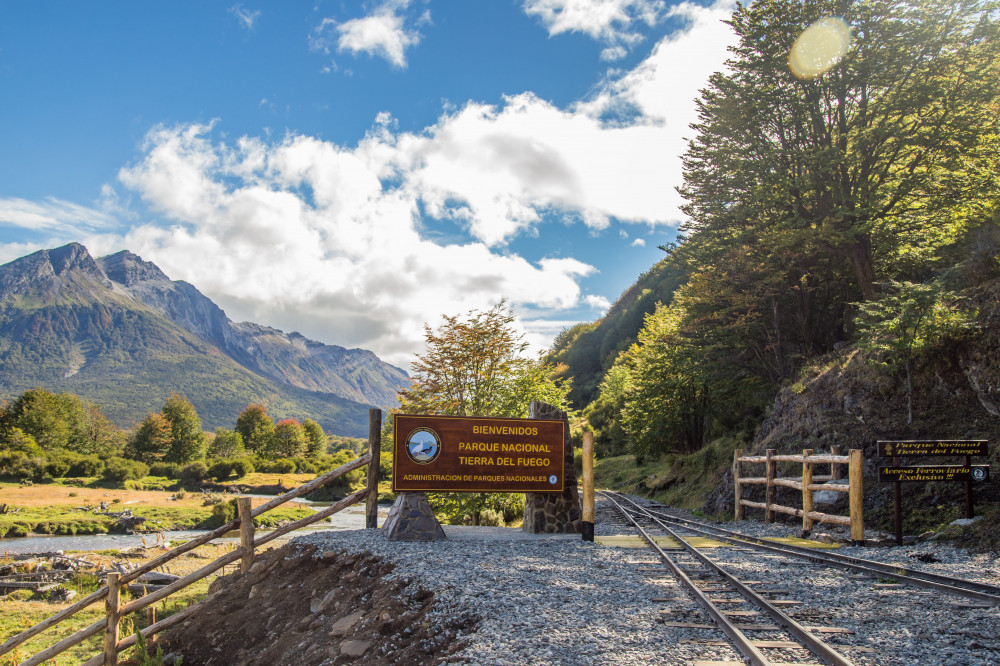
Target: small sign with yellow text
[
  {"x": 946, "y": 447},
  {"x": 475, "y": 454},
  {"x": 926, "y": 473}
]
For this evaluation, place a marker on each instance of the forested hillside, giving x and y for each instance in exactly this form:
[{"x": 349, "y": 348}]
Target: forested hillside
[{"x": 851, "y": 211}]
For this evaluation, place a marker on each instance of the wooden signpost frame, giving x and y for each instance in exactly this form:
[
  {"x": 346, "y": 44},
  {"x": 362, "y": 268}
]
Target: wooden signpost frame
[{"x": 897, "y": 449}]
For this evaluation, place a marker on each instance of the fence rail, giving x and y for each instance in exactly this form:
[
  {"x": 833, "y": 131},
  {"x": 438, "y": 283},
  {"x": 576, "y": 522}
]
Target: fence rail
[
  {"x": 109, "y": 592},
  {"x": 807, "y": 484}
]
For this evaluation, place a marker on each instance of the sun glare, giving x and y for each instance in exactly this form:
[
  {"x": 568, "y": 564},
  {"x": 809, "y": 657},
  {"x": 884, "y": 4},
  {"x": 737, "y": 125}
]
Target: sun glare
[{"x": 819, "y": 47}]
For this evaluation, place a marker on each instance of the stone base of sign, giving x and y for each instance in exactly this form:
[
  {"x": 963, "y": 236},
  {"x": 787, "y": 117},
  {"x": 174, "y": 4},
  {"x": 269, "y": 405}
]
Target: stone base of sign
[
  {"x": 412, "y": 519},
  {"x": 554, "y": 513}
]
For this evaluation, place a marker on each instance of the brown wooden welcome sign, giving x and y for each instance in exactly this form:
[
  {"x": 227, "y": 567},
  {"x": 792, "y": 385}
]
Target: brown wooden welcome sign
[{"x": 472, "y": 454}]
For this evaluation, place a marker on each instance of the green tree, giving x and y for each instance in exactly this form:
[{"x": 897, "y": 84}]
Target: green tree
[
  {"x": 475, "y": 366},
  {"x": 317, "y": 439},
  {"x": 100, "y": 435},
  {"x": 187, "y": 440},
  {"x": 907, "y": 320},
  {"x": 54, "y": 420},
  {"x": 604, "y": 413},
  {"x": 17, "y": 440},
  {"x": 256, "y": 428},
  {"x": 226, "y": 444},
  {"x": 289, "y": 440},
  {"x": 151, "y": 439},
  {"x": 857, "y": 163}
]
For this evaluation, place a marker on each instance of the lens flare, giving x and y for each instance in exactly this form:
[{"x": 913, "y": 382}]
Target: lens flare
[{"x": 819, "y": 47}]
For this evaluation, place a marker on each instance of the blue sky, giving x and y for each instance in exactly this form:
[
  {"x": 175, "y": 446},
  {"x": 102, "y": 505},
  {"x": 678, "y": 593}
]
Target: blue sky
[{"x": 353, "y": 170}]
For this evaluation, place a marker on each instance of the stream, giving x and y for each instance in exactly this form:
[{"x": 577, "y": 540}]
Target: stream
[{"x": 351, "y": 518}]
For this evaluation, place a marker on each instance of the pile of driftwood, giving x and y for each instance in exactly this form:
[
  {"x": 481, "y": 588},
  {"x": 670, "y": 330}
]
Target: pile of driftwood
[
  {"x": 45, "y": 573},
  {"x": 48, "y": 574},
  {"x": 127, "y": 522}
]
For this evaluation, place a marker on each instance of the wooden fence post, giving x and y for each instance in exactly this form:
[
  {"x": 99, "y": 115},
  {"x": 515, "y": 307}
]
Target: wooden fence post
[
  {"x": 770, "y": 490},
  {"x": 246, "y": 532},
  {"x": 375, "y": 450},
  {"x": 111, "y": 631},
  {"x": 856, "y": 496},
  {"x": 737, "y": 485},
  {"x": 807, "y": 494},
  {"x": 835, "y": 467},
  {"x": 587, "y": 524}
]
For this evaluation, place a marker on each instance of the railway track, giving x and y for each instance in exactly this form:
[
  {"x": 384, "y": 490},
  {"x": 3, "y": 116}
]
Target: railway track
[
  {"x": 904, "y": 575},
  {"x": 757, "y": 624}
]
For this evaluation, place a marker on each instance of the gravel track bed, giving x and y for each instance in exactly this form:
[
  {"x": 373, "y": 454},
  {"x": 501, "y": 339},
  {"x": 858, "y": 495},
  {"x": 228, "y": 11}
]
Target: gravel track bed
[{"x": 566, "y": 601}]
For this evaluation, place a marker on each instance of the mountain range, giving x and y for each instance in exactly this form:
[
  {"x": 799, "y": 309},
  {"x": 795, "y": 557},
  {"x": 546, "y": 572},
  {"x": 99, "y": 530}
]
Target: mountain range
[{"x": 118, "y": 332}]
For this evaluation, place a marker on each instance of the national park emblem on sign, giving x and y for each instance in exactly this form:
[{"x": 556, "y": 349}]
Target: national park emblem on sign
[{"x": 423, "y": 445}]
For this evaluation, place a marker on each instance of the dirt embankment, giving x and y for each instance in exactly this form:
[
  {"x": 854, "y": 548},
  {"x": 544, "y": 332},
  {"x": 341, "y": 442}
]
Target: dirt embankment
[{"x": 299, "y": 606}]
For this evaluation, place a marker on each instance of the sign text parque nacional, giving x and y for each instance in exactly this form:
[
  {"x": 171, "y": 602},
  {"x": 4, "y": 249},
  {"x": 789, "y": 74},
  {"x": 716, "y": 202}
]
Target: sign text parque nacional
[
  {"x": 473, "y": 454},
  {"x": 947, "y": 447}
]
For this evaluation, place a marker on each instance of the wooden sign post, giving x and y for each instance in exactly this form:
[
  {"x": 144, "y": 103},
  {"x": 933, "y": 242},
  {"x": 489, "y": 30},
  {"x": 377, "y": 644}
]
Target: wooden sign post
[
  {"x": 899, "y": 474},
  {"x": 588, "y": 486}
]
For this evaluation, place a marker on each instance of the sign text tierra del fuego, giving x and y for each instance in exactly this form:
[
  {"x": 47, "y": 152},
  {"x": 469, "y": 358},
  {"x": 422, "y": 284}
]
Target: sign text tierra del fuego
[
  {"x": 947, "y": 447},
  {"x": 475, "y": 454}
]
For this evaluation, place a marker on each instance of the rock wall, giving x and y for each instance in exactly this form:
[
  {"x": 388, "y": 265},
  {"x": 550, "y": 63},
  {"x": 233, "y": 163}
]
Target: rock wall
[{"x": 554, "y": 513}]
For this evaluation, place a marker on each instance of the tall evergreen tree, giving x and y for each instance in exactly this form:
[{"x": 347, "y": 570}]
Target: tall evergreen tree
[
  {"x": 289, "y": 440},
  {"x": 256, "y": 428},
  {"x": 187, "y": 440},
  {"x": 317, "y": 439},
  {"x": 151, "y": 439}
]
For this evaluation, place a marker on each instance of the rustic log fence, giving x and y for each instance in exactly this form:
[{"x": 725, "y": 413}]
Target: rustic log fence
[
  {"x": 807, "y": 484},
  {"x": 109, "y": 592}
]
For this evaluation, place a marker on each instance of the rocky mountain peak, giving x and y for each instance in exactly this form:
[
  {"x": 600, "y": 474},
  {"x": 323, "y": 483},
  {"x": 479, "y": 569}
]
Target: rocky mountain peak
[
  {"x": 127, "y": 268},
  {"x": 47, "y": 269},
  {"x": 72, "y": 257}
]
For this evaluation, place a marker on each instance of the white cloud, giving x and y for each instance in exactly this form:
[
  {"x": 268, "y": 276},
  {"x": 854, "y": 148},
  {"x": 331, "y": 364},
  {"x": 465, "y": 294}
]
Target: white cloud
[
  {"x": 53, "y": 215},
  {"x": 597, "y": 302},
  {"x": 246, "y": 18},
  {"x": 611, "y": 21},
  {"x": 308, "y": 235},
  {"x": 639, "y": 242},
  {"x": 613, "y": 53},
  {"x": 499, "y": 169},
  {"x": 383, "y": 33},
  {"x": 302, "y": 234}
]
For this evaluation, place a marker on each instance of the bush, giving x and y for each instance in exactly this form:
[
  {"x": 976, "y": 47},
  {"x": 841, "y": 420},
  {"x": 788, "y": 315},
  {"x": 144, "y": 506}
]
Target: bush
[
  {"x": 222, "y": 513},
  {"x": 123, "y": 469},
  {"x": 306, "y": 466},
  {"x": 57, "y": 466},
  {"x": 193, "y": 474},
  {"x": 491, "y": 518},
  {"x": 220, "y": 470},
  {"x": 242, "y": 467},
  {"x": 85, "y": 465},
  {"x": 167, "y": 469},
  {"x": 19, "y": 466},
  {"x": 279, "y": 466},
  {"x": 14, "y": 529}
]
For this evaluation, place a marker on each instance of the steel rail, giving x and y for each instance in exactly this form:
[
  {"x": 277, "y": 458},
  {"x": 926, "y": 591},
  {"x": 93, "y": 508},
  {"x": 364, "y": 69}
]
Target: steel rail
[
  {"x": 740, "y": 640},
  {"x": 916, "y": 577},
  {"x": 743, "y": 644}
]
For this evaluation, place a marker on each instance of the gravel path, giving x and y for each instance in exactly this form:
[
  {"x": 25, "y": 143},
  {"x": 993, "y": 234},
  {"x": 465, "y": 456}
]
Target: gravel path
[{"x": 566, "y": 601}]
